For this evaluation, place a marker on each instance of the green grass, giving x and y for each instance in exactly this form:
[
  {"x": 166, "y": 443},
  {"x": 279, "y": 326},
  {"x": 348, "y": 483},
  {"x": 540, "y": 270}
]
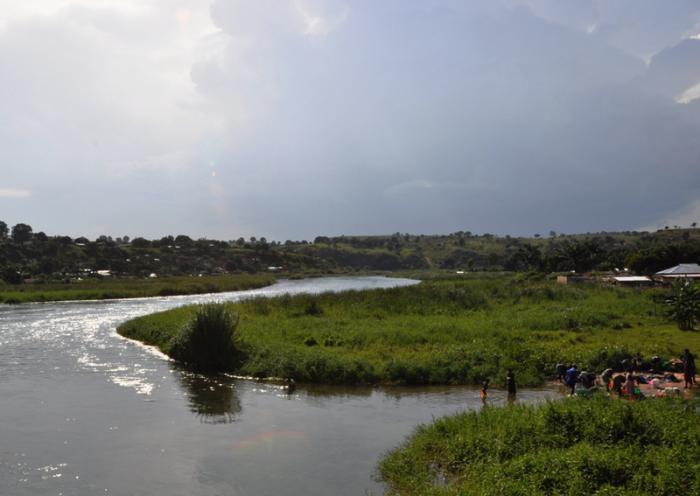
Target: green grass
[
  {"x": 574, "y": 447},
  {"x": 443, "y": 331},
  {"x": 94, "y": 289}
]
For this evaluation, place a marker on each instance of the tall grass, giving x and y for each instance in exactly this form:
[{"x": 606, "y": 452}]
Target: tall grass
[
  {"x": 206, "y": 341},
  {"x": 573, "y": 447},
  {"x": 440, "y": 332}
]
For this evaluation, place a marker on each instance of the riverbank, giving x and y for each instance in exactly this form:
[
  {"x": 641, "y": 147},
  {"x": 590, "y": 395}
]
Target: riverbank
[
  {"x": 575, "y": 447},
  {"x": 447, "y": 331},
  {"x": 108, "y": 289}
]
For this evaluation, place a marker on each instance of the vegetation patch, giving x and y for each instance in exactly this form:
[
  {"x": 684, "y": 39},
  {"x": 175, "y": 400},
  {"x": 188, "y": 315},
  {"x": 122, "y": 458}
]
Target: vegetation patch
[
  {"x": 443, "y": 331},
  {"x": 206, "y": 342},
  {"x": 574, "y": 447},
  {"x": 107, "y": 289}
]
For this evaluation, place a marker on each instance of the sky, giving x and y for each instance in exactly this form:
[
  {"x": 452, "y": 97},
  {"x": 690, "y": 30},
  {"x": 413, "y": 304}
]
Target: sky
[{"x": 295, "y": 118}]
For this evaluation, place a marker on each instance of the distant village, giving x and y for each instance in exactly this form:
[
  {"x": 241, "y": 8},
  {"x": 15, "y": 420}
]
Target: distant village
[{"x": 690, "y": 271}]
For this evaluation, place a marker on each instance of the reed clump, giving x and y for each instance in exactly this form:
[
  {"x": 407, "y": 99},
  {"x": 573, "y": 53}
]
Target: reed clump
[{"x": 206, "y": 342}]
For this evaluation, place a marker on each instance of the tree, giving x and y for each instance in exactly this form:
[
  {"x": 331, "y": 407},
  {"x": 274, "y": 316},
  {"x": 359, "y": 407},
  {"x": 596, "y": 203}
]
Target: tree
[
  {"x": 580, "y": 256},
  {"x": 3, "y": 230},
  {"x": 21, "y": 233},
  {"x": 140, "y": 243},
  {"x": 11, "y": 275},
  {"x": 527, "y": 257},
  {"x": 684, "y": 304}
]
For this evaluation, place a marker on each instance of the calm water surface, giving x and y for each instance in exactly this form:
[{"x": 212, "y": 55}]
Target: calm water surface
[{"x": 86, "y": 412}]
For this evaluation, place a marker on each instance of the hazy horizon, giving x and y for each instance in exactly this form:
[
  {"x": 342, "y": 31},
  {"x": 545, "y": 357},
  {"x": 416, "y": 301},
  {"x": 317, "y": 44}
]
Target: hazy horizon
[{"x": 290, "y": 119}]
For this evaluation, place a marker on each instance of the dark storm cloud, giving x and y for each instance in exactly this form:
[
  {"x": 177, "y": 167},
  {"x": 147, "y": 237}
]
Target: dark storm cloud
[{"x": 437, "y": 119}]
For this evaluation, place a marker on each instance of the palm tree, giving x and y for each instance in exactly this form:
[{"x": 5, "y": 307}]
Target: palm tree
[
  {"x": 684, "y": 304},
  {"x": 579, "y": 255}
]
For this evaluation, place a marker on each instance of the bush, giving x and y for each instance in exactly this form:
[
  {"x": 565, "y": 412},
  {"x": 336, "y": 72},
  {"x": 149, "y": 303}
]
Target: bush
[
  {"x": 575, "y": 447},
  {"x": 206, "y": 342}
]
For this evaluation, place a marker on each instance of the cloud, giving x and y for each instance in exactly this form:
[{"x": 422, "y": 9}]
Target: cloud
[
  {"x": 684, "y": 217},
  {"x": 549, "y": 115},
  {"x": 292, "y": 118},
  {"x": 639, "y": 27},
  {"x": 14, "y": 193}
]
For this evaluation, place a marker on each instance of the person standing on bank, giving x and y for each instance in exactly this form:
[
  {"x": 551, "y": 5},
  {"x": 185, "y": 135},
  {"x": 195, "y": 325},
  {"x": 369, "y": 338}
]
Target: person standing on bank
[
  {"x": 605, "y": 377},
  {"x": 688, "y": 368},
  {"x": 571, "y": 378},
  {"x": 510, "y": 384},
  {"x": 560, "y": 371}
]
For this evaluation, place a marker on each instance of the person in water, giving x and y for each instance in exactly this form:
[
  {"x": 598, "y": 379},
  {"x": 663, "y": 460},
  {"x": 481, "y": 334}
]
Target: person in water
[
  {"x": 484, "y": 390},
  {"x": 510, "y": 384}
]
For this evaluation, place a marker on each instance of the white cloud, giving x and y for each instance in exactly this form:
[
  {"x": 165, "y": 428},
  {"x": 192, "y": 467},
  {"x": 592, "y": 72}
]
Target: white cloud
[
  {"x": 316, "y": 23},
  {"x": 689, "y": 95},
  {"x": 14, "y": 193}
]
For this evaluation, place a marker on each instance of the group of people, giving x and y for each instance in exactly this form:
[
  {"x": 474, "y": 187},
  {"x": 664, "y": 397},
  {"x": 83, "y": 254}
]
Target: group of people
[
  {"x": 625, "y": 383},
  {"x": 622, "y": 384},
  {"x": 510, "y": 387},
  {"x": 570, "y": 376}
]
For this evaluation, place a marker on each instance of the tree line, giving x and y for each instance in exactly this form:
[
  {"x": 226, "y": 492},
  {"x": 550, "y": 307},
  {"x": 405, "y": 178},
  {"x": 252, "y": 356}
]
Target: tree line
[{"x": 26, "y": 254}]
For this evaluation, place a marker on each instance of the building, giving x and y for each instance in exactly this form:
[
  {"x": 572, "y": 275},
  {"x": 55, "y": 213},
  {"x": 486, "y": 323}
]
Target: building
[
  {"x": 686, "y": 270},
  {"x": 574, "y": 279},
  {"x": 634, "y": 281}
]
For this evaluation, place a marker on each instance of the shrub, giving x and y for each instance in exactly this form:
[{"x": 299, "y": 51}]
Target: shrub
[
  {"x": 313, "y": 309},
  {"x": 575, "y": 447},
  {"x": 684, "y": 304},
  {"x": 206, "y": 341}
]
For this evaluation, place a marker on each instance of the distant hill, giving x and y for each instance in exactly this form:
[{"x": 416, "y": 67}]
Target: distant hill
[{"x": 25, "y": 254}]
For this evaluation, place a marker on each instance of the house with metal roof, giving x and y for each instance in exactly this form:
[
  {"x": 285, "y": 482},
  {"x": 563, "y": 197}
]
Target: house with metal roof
[
  {"x": 634, "y": 281},
  {"x": 687, "y": 270}
]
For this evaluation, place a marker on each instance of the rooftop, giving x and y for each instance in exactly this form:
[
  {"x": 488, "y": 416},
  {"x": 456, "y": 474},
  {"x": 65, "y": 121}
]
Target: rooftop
[
  {"x": 680, "y": 270},
  {"x": 632, "y": 279}
]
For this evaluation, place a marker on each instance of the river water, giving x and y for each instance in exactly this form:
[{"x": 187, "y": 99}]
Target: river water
[{"x": 86, "y": 412}]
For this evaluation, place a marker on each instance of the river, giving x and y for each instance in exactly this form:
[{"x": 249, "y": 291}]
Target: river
[{"x": 86, "y": 412}]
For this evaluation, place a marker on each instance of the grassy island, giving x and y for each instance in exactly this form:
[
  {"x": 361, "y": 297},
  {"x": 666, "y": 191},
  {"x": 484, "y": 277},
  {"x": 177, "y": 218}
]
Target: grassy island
[
  {"x": 574, "y": 447},
  {"x": 443, "y": 331},
  {"x": 108, "y": 289}
]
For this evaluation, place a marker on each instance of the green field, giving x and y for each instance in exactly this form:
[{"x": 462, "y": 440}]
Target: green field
[
  {"x": 106, "y": 289},
  {"x": 574, "y": 447},
  {"x": 443, "y": 331}
]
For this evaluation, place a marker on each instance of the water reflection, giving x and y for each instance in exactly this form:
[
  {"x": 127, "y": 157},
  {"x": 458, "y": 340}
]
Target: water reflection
[{"x": 213, "y": 399}]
